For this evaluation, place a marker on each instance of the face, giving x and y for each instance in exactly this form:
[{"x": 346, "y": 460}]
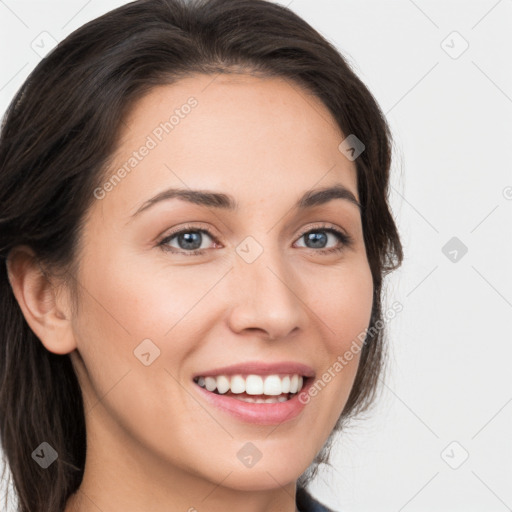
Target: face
[{"x": 175, "y": 288}]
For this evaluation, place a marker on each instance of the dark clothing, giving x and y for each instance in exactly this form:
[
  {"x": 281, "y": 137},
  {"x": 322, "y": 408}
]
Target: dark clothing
[{"x": 306, "y": 502}]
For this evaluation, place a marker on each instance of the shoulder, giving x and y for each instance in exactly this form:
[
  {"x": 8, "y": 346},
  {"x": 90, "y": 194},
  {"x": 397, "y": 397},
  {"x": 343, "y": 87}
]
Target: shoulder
[{"x": 306, "y": 502}]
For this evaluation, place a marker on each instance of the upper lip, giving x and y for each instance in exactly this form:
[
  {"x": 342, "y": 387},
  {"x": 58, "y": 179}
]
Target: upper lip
[{"x": 260, "y": 368}]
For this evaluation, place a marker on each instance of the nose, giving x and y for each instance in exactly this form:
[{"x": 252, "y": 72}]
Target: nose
[{"x": 266, "y": 298}]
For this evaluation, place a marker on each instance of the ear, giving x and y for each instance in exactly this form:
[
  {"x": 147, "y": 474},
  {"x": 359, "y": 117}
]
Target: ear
[{"x": 46, "y": 311}]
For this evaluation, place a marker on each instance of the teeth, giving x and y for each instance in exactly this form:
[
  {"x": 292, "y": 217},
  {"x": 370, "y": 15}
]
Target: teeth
[
  {"x": 210, "y": 383},
  {"x": 294, "y": 383},
  {"x": 254, "y": 385},
  {"x": 271, "y": 385},
  {"x": 272, "y": 400},
  {"x": 222, "y": 384},
  {"x": 237, "y": 384}
]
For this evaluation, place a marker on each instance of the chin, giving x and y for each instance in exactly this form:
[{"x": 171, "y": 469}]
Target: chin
[
  {"x": 260, "y": 480},
  {"x": 264, "y": 476}
]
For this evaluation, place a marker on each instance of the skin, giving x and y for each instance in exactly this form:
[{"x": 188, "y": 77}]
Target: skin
[{"x": 153, "y": 442}]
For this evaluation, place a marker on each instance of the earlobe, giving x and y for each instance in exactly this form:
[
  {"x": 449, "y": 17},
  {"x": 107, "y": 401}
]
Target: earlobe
[{"x": 46, "y": 311}]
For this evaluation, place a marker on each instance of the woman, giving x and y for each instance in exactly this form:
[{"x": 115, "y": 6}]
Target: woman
[{"x": 195, "y": 231}]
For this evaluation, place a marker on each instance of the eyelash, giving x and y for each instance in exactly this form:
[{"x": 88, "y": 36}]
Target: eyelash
[{"x": 345, "y": 239}]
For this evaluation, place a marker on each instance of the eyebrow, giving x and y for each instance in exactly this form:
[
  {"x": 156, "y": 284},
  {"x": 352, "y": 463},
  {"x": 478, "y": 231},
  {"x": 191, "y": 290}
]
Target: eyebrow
[{"x": 227, "y": 202}]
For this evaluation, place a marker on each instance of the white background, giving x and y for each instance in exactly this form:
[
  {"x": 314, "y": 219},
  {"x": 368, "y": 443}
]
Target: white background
[{"x": 449, "y": 378}]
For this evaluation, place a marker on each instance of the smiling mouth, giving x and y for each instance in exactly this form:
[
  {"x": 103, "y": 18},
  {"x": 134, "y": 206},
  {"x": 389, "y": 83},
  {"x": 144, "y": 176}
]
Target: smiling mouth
[{"x": 255, "y": 388}]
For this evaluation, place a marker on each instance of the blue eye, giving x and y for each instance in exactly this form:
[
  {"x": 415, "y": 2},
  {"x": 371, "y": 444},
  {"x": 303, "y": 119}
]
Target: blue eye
[
  {"x": 318, "y": 238},
  {"x": 190, "y": 239}
]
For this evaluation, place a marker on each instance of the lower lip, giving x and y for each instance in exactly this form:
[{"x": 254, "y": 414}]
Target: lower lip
[{"x": 259, "y": 414}]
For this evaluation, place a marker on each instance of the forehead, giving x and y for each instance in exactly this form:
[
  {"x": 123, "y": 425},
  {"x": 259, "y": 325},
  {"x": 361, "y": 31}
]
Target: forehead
[{"x": 257, "y": 139}]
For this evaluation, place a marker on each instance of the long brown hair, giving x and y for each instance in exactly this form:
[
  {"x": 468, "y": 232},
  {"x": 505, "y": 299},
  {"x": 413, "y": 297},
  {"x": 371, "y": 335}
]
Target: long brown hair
[{"x": 56, "y": 139}]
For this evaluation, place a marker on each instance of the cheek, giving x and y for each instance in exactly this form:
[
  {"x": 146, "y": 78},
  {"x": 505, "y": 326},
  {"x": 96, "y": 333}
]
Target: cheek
[
  {"x": 343, "y": 303},
  {"x": 126, "y": 300},
  {"x": 343, "y": 306},
  {"x": 120, "y": 307}
]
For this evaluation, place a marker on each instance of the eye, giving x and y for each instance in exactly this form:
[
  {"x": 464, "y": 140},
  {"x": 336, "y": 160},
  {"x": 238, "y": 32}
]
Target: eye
[
  {"x": 318, "y": 238},
  {"x": 188, "y": 239}
]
